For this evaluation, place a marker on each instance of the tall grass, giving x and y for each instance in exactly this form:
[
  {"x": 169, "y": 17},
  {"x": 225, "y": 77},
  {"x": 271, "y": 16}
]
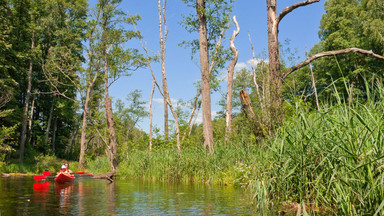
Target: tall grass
[
  {"x": 226, "y": 166},
  {"x": 330, "y": 158}
]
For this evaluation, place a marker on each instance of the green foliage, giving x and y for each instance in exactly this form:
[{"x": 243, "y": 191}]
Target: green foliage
[
  {"x": 348, "y": 24},
  {"x": 47, "y": 163},
  {"x": 6, "y": 140}
]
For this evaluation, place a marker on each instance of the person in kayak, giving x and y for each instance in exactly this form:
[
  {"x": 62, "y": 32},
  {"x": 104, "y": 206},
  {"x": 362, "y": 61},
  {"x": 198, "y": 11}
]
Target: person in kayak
[
  {"x": 63, "y": 169},
  {"x": 67, "y": 168}
]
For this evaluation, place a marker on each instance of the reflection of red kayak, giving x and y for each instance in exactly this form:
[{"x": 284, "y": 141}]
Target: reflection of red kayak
[
  {"x": 63, "y": 178},
  {"x": 41, "y": 186}
]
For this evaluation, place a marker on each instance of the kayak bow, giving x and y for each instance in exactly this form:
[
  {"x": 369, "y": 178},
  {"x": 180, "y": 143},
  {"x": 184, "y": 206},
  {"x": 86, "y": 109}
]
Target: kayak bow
[{"x": 63, "y": 178}]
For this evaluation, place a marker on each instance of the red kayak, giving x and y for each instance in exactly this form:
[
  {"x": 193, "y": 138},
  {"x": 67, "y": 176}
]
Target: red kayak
[{"x": 64, "y": 178}]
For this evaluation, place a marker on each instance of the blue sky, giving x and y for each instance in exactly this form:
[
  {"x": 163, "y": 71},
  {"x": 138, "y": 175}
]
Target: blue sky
[{"x": 300, "y": 27}]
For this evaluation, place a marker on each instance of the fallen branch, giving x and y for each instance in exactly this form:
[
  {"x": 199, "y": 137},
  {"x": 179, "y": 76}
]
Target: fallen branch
[
  {"x": 13, "y": 174},
  {"x": 109, "y": 176}
]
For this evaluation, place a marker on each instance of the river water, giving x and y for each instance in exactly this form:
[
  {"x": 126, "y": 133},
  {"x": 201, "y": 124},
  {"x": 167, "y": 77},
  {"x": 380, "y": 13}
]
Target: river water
[{"x": 24, "y": 196}]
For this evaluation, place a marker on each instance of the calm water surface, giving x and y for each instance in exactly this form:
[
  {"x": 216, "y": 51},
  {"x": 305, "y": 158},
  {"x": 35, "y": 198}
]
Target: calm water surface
[{"x": 23, "y": 196}]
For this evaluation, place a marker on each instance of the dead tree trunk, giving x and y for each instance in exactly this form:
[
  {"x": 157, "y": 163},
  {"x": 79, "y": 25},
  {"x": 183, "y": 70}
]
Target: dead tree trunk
[
  {"x": 231, "y": 67},
  {"x": 192, "y": 113},
  {"x": 150, "y": 115},
  {"x": 273, "y": 98},
  {"x": 253, "y": 119},
  {"x": 194, "y": 120},
  {"x": 163, "y": 44}
]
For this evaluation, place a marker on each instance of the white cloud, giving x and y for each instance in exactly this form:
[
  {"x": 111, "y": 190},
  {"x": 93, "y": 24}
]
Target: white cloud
[
  {"x": 248, "y": 64},
  {"x": 240, "y": 65},
  {"x": 199, "y": 118}
]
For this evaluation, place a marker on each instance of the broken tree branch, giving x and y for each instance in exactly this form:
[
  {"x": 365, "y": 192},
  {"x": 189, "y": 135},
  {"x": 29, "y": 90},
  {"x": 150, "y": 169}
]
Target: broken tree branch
[
  {"x": 329, "y": 53},
  {"x": 289, "y": 9}
]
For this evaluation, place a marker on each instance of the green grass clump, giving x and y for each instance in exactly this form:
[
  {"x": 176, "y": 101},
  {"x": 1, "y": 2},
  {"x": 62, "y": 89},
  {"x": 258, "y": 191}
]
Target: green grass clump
[{"x": 99, "y": 165}]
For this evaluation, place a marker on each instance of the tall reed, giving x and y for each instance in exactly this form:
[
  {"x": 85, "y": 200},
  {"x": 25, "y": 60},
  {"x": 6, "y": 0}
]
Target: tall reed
[{"x": 330, "y": 158}]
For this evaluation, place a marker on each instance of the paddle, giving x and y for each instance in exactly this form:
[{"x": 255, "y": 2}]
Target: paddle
[
  {"x": 47, "y": 174},
  {"x": 82, "y": 174},
  {"x": 42, "y": 177}
]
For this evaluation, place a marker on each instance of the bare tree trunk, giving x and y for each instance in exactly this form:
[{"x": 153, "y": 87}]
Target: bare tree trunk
[
  {"x": 194, "y": 120},
  {"x": 27, "y": 98},
  {"x": 54, "y": 135},
  {"x": 163, "y": 43},
  {"x": 192, "y": 113},
  {"x": 84, "y": 127},
  {"x": 257, "y": 86},
  {"x": 150, "y": 115},
  {"x": 31, "y": 113},
  {"x": 47, "y": 130},
  {"x": 205, "y": 76},
  {"x": 231, "y": 67},
  {"x": 31, "y": 119}
]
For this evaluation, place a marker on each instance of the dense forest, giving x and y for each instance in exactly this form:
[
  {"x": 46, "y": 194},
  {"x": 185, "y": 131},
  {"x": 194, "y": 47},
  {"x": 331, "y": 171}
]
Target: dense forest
[{"x": 309, "y": 134}]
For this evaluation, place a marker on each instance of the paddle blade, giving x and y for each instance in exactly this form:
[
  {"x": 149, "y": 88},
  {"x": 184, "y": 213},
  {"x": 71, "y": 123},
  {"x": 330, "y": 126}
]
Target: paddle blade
[
  {"x": 45, "y": 173},
  {"x": 79, "y": 172},
  {"x": 39, "y": 177}
]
